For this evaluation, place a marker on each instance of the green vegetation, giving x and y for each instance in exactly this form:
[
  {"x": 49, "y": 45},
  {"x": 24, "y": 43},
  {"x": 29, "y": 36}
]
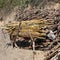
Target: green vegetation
[
  {"x": 12, "y": 3},
  {"x": 8, "y": 4}
]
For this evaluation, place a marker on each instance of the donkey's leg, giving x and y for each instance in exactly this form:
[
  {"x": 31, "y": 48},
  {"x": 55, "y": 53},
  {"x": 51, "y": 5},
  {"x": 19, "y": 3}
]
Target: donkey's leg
[
  {"x": 12, "y": 38},
  {"x": 14, "y": 42}
]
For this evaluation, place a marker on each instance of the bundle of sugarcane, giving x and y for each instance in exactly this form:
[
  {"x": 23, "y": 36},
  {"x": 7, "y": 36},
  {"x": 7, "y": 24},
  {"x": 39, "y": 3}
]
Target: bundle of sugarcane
[{"x": 36, "y": 28}]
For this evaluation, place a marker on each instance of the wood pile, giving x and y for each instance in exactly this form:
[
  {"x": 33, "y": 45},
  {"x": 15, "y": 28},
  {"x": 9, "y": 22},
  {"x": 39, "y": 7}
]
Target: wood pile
[{"x": 49, "y": 12}]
